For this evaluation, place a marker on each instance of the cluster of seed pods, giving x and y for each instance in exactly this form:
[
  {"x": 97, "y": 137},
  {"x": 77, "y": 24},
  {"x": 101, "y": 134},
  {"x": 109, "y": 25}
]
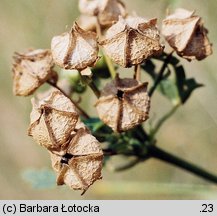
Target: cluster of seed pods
[{"x": 123, "y": 103}]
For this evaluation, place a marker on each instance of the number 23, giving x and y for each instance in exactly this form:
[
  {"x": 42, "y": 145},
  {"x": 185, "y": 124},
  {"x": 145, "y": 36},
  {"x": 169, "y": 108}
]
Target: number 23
[{"x": 207, "y": 208}]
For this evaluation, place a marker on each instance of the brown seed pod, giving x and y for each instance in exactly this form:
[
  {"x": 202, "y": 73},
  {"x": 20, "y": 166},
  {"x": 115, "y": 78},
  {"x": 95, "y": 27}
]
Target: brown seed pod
[
  {"x": 53, "y": 119},
  {"x": 107, "y": 11},
  {"x": 30, "y": 70},
  {"x": 186, "y": 34},
  {"x": 81, "y": 166},
  {"x": 123, "y": 104},
  {"x": 87, "y": 22},
  {"x": 76, "y": 49},
  {"x": 132, "y": 40}
]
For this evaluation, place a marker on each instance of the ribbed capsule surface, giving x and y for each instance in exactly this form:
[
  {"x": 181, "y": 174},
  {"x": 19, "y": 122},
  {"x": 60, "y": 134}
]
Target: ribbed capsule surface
[
  {"x": 185, "y": 33},
  {"x": 77, "y": 49},
  {"x": 123, "y": 104},
  {"x": 81, "y": 166},
  {"x": 107, "y": 11},
  {"x": 53, "y": 119},
  {"x": 30, "y": 70},
  {"x": 132, "y": 40}
]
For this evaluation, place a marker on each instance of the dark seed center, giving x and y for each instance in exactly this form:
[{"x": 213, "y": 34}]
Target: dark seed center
[
  {"x": 65, "y": 158},
  {"x": 120, "y": 94}
]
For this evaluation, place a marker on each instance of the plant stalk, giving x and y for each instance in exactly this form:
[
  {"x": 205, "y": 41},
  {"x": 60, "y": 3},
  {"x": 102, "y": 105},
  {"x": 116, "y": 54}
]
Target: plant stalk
[
  {"x": 160, "y": 74},
  {"x": 162, "y": 155},
  {"x": 137, "y": 72},
  {"x": 110, "y": 66},
  {"x": 88, "y": 81},
  {"x": 107, "y": 59}
]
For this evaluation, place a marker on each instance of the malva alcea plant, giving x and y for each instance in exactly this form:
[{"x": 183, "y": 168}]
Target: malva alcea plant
[{"x": 103, "y": 39}]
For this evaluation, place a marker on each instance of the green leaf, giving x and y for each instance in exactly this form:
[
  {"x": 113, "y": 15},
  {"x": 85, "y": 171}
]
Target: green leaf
[
  {"x": 169, "y": 89},
  {"x": 98, "y": 128},
  {"x": 101, "y": 70},
  {"x": 149, "y": 67},
  {"x": 79, "y": 87},
  {"x": 177, "y": 89},
  {"x": 185, "y": 86}
]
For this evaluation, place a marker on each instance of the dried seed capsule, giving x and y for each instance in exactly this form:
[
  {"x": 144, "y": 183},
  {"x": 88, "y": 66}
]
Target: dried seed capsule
[
  {"x": 76, "y": 49},
  {"x": 132, "y": 40},
  {"x": 123, "y": 104},
  {"x": 107, "y": 11},
  {"x": 87, "y": 22},
  {"x": 30, "y": 70},
  {"x": 81, "y": 166},
  {"x": 186, "y": 34},
  {"x": 53, "y": 119}
]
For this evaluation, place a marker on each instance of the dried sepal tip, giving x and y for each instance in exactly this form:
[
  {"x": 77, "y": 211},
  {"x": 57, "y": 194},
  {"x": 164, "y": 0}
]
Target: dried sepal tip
[
  {"x": 76, "y": 49},
  {"x": 81, "y": 165},
  {"x": 30, "y": 70},
  {"x": 53, "y": 119},
  {"x": 123, "y": 104},
  {"x": 87, "y": 22},
  {"x": 185, "y": 33},
  {"x": 107, "y": 11},
  {"x": 132, "y": 40}
]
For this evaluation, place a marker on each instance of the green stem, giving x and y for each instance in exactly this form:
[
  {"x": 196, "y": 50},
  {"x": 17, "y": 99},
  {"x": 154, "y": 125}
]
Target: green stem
[
  {"x": 163, "y": 119},
  {"x": 94, "y": 89},
  {"x": 88, "y": 81},
  {"x": 107, "y": 59},
  {"x": 110, "y": 66},
  {"x": 174, "y": 160},
  {"x": 160, "y": 74}
]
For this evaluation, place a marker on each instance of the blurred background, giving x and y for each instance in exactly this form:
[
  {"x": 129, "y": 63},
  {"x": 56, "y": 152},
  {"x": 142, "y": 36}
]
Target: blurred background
[{"x": 191, "y": 133}]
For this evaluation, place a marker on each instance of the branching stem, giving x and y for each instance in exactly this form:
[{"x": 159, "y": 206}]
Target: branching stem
[
  {"x": 162, "y": 155},
  {"x": 160, "y": 74},
  {"x": 88, "y": 81},
  {"x": 156, "y": 152}
]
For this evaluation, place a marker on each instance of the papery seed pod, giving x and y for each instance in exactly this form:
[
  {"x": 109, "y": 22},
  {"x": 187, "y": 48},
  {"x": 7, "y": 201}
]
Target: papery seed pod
[
  {"x": 123, "y": 104},
  {"x": 30, "y": 70},
  {"x": 186, "y": 34},
  {"x": 132, "y": 40},
  {"x": 76, "y": 49},
  {"x": 81, "y": 166},
  {"x": 107, "y": 11},
  {"x": 87, "y": 22},
  {"x": 53, "y": 119}
]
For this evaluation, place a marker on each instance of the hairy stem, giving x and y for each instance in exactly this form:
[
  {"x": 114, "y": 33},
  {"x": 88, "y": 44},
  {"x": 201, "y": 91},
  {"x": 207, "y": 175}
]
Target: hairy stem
[
  {"x": 160, "y": 74},
  {"x": 81, "y": 111},
  {"x": 174, "y": 160}
]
